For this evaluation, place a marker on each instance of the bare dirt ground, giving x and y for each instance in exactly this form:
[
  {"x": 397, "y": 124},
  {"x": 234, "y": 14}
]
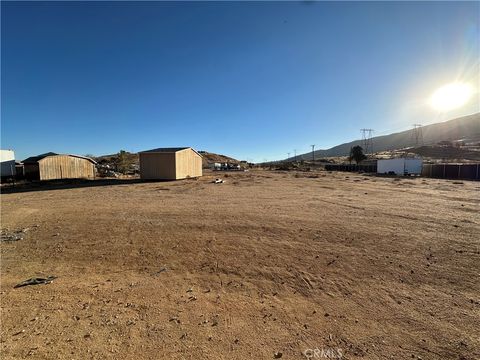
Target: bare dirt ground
[{"x": 266, "y": 265}]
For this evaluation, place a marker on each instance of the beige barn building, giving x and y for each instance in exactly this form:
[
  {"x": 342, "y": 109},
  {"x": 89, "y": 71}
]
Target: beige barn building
[
  {"x": 51, "y": 166},
  {"x": 170, "y": 164}
]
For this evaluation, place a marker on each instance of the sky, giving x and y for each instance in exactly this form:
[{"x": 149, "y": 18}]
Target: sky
[{"x": 252, "y": 80}]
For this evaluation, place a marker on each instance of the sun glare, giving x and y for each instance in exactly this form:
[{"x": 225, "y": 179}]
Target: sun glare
[{"x": 451, "y": 96}]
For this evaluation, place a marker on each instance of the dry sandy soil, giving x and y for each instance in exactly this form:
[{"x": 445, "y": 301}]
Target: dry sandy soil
[{"x": 267, "y": 265}]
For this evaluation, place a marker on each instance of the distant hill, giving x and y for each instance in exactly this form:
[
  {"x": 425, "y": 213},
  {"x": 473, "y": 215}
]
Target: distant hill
[
  {"x": 110, "y": 159},
  {"x": 133, "y": 159},
  {"x": 466, "y": 128},
  {"x": 209, "y": 158}
]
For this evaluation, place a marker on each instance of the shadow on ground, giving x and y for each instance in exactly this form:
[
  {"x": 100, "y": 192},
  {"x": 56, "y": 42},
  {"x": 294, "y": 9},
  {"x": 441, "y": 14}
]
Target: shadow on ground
[{"x": 68, "y": 184}]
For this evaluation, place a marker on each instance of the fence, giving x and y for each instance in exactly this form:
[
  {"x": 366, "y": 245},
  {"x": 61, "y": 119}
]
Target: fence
[
  {"x": 352, "y": 167},
  {"x": 452, "y": 171},
  {"x": 440, "y": 171}
]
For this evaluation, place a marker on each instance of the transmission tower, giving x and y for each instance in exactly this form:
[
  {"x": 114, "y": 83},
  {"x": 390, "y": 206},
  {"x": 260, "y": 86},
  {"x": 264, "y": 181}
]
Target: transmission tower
[
  {"x": 295, "y": 152},
  {"x": 288, "y": 156},
  {"x": 417, "y": 134},
  {"x": 367, "y": 140},
  {"x": 313, "y": 152}
]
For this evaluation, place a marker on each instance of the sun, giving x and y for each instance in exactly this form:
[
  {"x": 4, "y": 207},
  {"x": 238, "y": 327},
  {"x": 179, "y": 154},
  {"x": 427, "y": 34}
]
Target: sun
[{"x": 451, "y": 96}]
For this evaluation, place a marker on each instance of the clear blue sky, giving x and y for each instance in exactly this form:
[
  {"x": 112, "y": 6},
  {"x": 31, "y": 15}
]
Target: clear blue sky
[{"x": 252, "y": 80}]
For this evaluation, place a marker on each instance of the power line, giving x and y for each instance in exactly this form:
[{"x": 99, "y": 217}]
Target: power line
[
  {"x": 367, "y": 140},
  {"x": 417, "y": 134}
]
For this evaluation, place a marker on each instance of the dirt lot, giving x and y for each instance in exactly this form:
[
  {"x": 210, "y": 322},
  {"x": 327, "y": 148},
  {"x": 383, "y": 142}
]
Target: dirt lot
[{"x": 266, "y": 265}]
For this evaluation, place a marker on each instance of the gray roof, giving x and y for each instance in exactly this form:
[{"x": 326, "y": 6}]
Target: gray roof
[
  {"x": 34, "y": 159},
  {"x": 169, "y": 150}
]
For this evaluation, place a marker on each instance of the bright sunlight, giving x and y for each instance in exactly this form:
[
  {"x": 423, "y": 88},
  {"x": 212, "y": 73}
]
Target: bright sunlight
[{"x": 451, "y": 96}]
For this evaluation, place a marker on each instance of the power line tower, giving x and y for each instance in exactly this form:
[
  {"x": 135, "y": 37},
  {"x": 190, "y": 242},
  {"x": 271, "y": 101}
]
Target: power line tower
[
  {"x": 288, "y": 156},
  {"x": 417, "y": 134},
  {"x": 313, "y": 152},
  {"x": 367, "y": 140},
  {"x": 295, "y": 152}
]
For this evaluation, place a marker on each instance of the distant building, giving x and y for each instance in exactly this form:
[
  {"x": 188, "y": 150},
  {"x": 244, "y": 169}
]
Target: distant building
[
  {"x": 19, "y": 170},
  {"x": 51, "y": 166},
  {"x": 226, "y": 166},
  {"x": 400, "y": 166},
  {"x": 7, "y": 158},
  {"x": 170, "y": 164}
]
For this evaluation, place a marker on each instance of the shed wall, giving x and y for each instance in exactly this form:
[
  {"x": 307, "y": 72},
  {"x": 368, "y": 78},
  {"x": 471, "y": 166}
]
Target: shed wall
[
  {"x": 160, "y": 166},
  {"x": 65, "y": 167},
  {"x": 31, "y": 171},
  {"x": 188, "y": 164}
]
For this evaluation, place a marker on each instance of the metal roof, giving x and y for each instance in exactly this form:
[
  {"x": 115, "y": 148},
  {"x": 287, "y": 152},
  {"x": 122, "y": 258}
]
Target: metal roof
[
  {"x": 169, "y": 150},
  {"x": 34, "y": 159}
]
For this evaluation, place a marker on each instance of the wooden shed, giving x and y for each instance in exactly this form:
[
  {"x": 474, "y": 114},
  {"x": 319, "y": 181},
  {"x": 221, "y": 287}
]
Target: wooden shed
[
  {"x": 170, "y": 163},
  {"x": 51, "y": 166}
]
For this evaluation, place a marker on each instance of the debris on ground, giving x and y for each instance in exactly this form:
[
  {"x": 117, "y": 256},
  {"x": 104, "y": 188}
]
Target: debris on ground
[
  {"x": 36, "y": 281},
  {"x": 16, "y": 235},
  {"x": 160, "y": 271},
  {"x": 218, "y": 181}
]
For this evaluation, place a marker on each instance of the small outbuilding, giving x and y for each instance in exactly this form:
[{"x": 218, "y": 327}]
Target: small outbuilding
[
  {"x": 7, "y": 159},
  {"x": 170, "y": 164},
  {"x": 52, "y": 166}
]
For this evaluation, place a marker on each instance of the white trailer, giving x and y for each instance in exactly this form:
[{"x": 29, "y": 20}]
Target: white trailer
[
  {"x": 413, "y": 166},
  {"x": 7, "y": 158},
  {"x": 400, "y": 166},
  {"x": 215, "y": 166}
]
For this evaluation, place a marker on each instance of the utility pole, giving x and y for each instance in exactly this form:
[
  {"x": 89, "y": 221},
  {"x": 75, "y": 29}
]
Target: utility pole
[
  {"x": 367, "y": 140},
  {"x": 288, "y": 156},
  {"x": 313, "y": 152},
  {"x": 418, "y": 135},
  {"x": 295, "y": 152}
]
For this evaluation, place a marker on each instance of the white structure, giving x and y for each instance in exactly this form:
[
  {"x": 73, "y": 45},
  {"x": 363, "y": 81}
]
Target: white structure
[
  {"x": 400, "y": 166},
  {"x": 7, "y": 158}
]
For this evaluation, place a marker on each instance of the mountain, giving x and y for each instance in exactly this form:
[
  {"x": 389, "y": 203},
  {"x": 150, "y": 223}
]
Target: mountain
[{"x": 466, "y": 128}]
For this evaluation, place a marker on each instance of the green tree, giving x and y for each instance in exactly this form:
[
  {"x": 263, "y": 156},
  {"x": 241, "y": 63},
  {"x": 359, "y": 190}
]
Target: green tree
[
  {"x": 356, "y": 154},
  {"x": 122, "y": 163}
]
